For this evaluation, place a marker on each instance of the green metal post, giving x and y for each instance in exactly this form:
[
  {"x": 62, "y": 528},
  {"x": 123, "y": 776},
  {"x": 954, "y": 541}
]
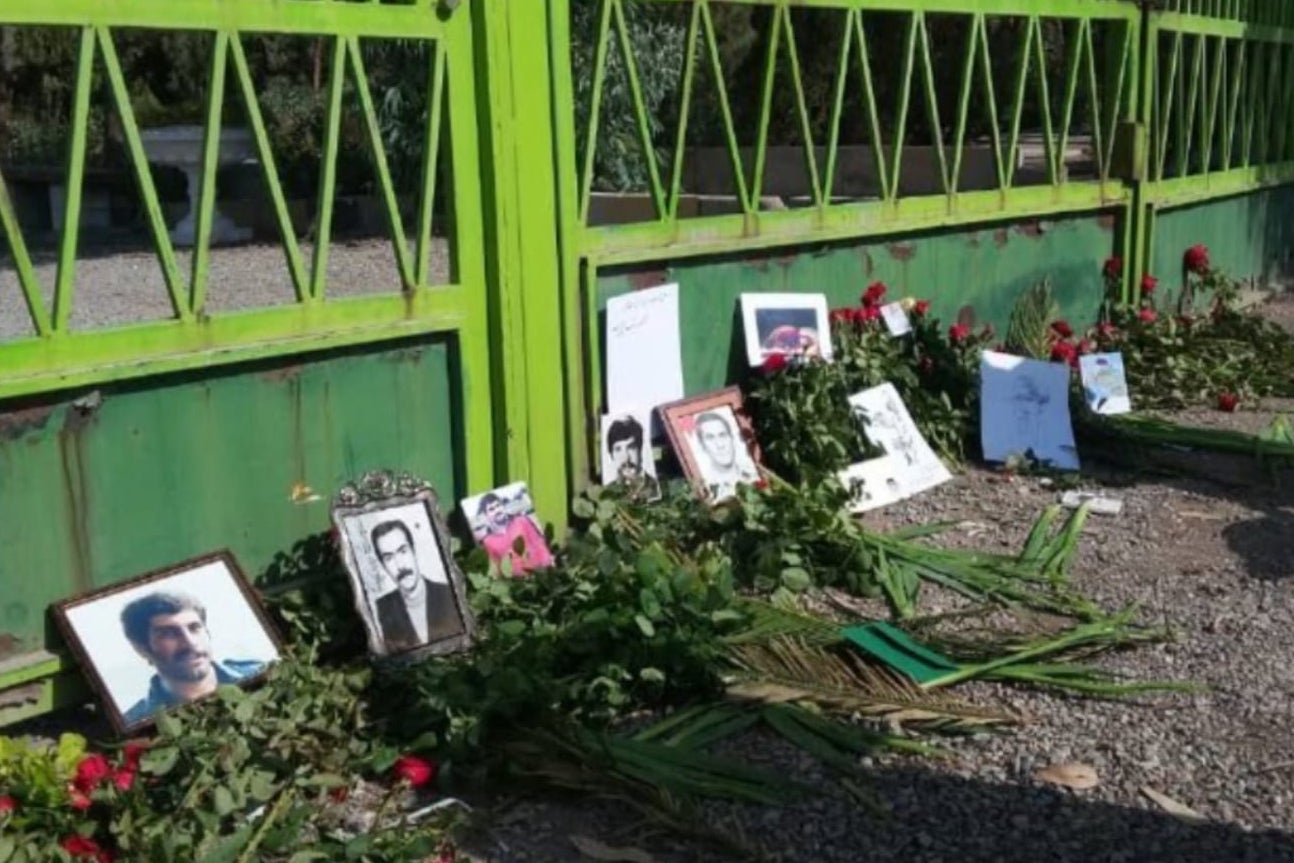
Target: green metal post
[{"x": 523, "y": 264}]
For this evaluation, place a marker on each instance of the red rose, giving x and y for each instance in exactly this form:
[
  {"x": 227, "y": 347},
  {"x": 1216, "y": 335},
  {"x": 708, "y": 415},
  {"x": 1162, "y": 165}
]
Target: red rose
[
  {"x": 958, "y": 332},
  {"x": 92, "y": 770},
  {"x": 7, "y": 804},
  {"x": 77, "y": 800},
  {"x": 1062, "y": 329},
  {"x": 867, "y": 313},
  {"x": 875, "y": 291},
  {"x": 131, "y": 753},
  {"x": 1085, "y": 347},
  {"x": 761, "y": 483},
  {"x": 1064, "y": 352},
  {"x": 774, "y": 364},
  {"x": 842, "y": 316},
  {"x": 1196, "y": 259},
  {"x": 926, "y": 365},
  {"x": 1148, "y": 315},
  {"x": 417, "y": 771},
  {"x": 1228, "y": 402},
  {"x": 1148, "y": 284},
  {"x": 921, "y": 308},
  {"x": 123, "y": 778},
  {"x": 82, "y": 846},
  {"x": 1113, "y": 268},
  {"x": 1106, "y": 330}
]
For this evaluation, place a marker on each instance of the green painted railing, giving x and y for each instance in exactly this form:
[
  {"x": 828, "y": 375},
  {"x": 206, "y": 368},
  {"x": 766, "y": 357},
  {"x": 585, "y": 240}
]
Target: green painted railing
[{"x": 1169, "y": 103}]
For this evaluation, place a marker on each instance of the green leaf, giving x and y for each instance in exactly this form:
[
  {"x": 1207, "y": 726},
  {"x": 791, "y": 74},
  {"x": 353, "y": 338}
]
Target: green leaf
[
  {"x": 645, "y": 625},
  {"x": 169, "y": 726},
  {"x": 796, "y": 579},
  {"x": 159, "y": 761},
  {"x": 222, "y": 800}
]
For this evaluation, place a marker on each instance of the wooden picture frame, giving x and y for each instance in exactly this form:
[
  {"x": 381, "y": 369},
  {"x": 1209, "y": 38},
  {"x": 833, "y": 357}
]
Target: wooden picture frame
[
  {"x": 396, "y": 548},
  {"x": 180, "y": 627},
  {"x": 712, "y": 474}
]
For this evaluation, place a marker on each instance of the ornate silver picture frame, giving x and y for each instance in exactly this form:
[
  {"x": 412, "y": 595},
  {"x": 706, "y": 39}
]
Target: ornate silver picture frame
[{"x": 395, "y": 545}]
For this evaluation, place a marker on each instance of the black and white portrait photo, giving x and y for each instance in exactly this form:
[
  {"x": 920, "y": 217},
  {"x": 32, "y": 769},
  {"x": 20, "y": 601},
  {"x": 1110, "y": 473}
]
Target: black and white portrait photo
[
  {"x": 627, "y": 458},
  {"x": 786, "y": 324},
  {"x": 169, "y": 638},
  {"x": 713, "y": 442},
  {"x": 407, "y": 588}
]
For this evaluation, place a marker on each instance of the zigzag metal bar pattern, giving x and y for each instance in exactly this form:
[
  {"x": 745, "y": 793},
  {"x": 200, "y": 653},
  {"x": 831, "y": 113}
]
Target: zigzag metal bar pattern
[
  {"x": 188, "y": 292},
  {"x": 1221, "y": 108},
  {"x": 1104, "y": 88}
]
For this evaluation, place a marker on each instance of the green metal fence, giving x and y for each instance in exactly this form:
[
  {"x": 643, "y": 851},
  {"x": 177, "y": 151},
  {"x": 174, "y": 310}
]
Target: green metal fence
[
  {"x": 1166, "y": 104},
  {"x": 124, "y": 448},
  {"x": 831, "y": 135}
]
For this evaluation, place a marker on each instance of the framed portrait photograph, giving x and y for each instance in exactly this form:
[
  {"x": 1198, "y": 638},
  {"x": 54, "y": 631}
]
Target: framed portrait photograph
[
  {"x": 627, "y": 458},
  {"x": 789, "y": 324},
  {"x": 395, "y": 545},
  {"x": 714, "y": 442},
  {"x": 504, "y": 524},
  {"x": 169, "y": 638}
]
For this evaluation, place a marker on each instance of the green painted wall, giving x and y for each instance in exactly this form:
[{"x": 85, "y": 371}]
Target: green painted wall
[
  {"x": 168, "y": 469},
  {"x": 1247, "y": 235},
  {"x": 985, "y": 269}
]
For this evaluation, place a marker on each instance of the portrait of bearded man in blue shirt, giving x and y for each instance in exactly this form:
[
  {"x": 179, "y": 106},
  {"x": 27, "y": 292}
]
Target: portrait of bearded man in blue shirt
[{"x": 169, "y": 630}]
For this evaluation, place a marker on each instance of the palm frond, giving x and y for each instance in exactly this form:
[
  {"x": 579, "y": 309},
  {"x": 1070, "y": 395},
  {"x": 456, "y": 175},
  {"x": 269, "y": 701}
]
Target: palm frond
[
  {"x": 786, "y": 670},
  {"x": 1027, "y": 332},
  {"x": 769, "y": 621}
]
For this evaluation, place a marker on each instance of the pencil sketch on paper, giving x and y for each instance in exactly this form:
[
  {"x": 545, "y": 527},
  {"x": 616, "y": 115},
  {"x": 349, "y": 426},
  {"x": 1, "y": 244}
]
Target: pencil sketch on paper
[
  {"x": 888, "y": 425},
  {"x": 1024, "y": 410}
]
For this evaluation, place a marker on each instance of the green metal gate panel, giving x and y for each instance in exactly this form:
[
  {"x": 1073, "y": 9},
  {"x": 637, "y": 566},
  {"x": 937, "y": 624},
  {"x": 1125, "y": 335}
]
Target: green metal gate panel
[
  {"x": 129, "y": 447},
  {"x": 133, "y": 477}
]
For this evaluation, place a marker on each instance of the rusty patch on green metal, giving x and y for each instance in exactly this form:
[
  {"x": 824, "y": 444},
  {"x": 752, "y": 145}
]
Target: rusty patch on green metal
[
  {"x": 902, "y": 251},
  {"x": 18, "y": 423}
]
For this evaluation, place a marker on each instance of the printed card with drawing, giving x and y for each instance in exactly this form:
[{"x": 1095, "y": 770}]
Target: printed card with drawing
[
  {"x": 1104, "y": 384},
  {"x": 1024, "y": 410},
  {"x": 887, "y": 424},
  {"x": 873, "y": 483}
]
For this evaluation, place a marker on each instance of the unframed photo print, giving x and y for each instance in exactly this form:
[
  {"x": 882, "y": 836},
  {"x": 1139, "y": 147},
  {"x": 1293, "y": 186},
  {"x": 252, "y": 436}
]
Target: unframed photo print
[
  {"x": 169, "y": 638},
  {"x": 503, "y": 518},
  {"x": 788, "y": 324},
  {"x": 627, "y": 458},
  {"x": 1104, "y": 383}
]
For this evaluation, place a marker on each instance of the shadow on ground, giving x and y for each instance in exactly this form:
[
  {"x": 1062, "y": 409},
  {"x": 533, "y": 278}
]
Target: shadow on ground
[{"x": 934, "y": 818}]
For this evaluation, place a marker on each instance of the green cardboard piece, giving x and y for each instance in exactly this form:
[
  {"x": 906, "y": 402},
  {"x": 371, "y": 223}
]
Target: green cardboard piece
[{"x": 894, "y": 648}]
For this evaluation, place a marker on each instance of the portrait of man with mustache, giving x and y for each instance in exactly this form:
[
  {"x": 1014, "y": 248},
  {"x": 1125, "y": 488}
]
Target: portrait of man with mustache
[{"x": 421, "y": 609}]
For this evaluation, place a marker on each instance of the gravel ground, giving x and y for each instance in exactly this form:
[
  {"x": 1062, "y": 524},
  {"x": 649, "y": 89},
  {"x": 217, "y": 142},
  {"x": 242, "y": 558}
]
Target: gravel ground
[{"x": 1214, "y": 560}]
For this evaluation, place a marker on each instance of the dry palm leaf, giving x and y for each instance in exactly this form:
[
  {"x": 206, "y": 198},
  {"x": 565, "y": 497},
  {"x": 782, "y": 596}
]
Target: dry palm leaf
[{"x": 785, "y": 670}]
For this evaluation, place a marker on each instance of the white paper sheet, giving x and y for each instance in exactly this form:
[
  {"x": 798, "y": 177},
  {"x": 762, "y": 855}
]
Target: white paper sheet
[
  {"x": 887, "y": 424},
  {"x": 1024, "y": 407},
  {"x": 644, "y": 354},
  {"x": 896, "y": 319},
  {"x": 1104, "y": 384},
  {"x": 873, "y": 483}
]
